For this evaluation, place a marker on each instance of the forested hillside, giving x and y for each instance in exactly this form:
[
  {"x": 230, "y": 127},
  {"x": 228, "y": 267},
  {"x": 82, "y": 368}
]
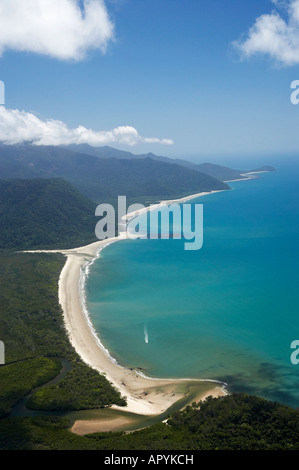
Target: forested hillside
[
  {"x": 44, "y": 213},
  {"x": 104, "y": 179}
]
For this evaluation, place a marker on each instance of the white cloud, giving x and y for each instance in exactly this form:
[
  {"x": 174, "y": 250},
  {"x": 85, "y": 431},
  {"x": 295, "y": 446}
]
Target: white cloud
[
  {"x": 56, "y": 28},
  {"x": 275, "y": 36},
  {"x": 20, "y": 126}
]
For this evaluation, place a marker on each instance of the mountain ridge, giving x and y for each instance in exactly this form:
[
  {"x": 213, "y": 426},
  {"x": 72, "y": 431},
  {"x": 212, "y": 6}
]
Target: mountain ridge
[
  {"x": 221, "y": 172},
  {"x": 103, "y": 179}
]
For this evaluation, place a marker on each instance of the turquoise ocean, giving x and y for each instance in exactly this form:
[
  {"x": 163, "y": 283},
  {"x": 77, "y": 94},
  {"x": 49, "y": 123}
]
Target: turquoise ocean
[{"x": 228, "y": 311}]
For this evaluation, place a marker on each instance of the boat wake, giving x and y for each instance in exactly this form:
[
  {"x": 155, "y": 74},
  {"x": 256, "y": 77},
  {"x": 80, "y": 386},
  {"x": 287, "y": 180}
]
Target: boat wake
[{"x": 145, "y": 334}]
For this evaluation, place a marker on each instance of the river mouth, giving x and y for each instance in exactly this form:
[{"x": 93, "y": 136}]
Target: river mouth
[{"x": 107, "y": 419}]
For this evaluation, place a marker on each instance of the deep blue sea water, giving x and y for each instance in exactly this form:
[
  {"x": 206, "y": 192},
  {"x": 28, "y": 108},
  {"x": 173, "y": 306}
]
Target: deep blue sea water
[{"x": 228, "y": 311}]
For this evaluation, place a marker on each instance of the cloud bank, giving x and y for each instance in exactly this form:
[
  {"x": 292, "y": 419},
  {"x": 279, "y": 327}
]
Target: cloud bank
[
  {"x": 20, "y": 126},
  {"x": 274, "y": 36},
  {"x": 56, "y": 28}
]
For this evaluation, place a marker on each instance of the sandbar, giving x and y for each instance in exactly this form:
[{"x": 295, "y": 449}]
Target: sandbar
[{"x": 144, "y": 395}]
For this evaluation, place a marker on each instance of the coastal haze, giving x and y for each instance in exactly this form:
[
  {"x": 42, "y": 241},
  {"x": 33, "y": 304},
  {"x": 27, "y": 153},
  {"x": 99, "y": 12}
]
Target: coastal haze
[{"x": 149, "y": 222}]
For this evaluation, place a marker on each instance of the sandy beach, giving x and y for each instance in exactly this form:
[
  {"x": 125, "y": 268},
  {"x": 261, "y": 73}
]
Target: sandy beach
[
  {"x": 144, "y": 395},
  {"x": 247, "y": 176},
  {"x": 168, "y": 202}
]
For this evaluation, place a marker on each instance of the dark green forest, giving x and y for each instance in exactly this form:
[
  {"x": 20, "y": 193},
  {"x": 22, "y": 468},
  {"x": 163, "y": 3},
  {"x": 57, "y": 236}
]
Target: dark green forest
[
  {"x": 19, "y": 378},
  {"x": 40, "y": 210},
  {"x": 104, "y": 179},
  {"x": 48, "y": 195},
  {"x": 44, "y": 213},
  {"x": 235, "y": 422},
  {"x": 31, "y": 326},
  {"x": 222, "y": 173}
]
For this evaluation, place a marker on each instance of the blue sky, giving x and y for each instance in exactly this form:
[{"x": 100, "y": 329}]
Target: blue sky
[{"x": 166, "y": 68}]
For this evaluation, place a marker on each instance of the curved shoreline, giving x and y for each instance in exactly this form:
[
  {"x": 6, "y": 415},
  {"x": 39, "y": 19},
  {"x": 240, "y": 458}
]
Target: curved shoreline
[
  {"x": 140, "y": 391},
  {"x": 144, "y": 395}
]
